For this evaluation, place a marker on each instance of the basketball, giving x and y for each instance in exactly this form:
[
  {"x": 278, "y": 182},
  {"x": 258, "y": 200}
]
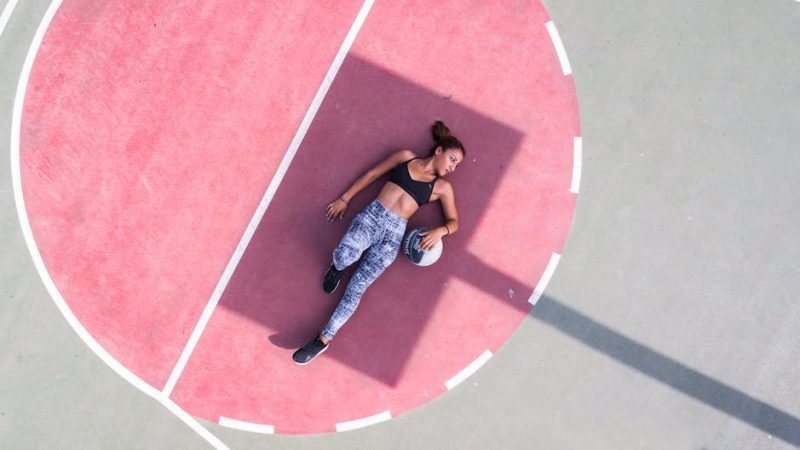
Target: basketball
[{"x": 415, "y": 254}]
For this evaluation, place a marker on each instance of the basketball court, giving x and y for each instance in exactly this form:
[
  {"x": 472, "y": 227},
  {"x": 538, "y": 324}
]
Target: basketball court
[{"x": 170, "y": 165}]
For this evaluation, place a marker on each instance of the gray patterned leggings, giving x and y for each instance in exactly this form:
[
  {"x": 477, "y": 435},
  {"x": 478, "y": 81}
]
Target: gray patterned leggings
[{"x": 378, "y": 231}]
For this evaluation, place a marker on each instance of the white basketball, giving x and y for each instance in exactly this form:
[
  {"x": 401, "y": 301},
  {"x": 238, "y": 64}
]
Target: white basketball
[{"x": 415, "y": 254}]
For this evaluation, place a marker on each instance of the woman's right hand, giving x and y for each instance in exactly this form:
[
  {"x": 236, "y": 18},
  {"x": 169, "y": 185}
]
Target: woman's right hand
[{"x": 336, "y": 209}]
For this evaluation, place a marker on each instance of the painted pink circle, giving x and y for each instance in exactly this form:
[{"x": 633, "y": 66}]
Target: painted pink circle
[{"x": 151, "y": 132}]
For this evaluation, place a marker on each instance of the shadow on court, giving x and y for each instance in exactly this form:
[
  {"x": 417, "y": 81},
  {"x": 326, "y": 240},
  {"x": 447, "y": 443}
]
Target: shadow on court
[
  {"x": 368, "y": 113},
  {"x": 666, "y": 370}
]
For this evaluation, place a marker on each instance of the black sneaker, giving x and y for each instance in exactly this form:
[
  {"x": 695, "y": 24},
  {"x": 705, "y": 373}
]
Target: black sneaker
[
  {"x": 331, "y": 279},
  {"x": 309, "y": 351}
]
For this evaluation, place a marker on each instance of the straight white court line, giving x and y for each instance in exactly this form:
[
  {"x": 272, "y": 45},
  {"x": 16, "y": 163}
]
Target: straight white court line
[
  {"x": 365, "y": 422},
  {"x": 6, "y": 14},
  {"x": 468, "y": 371},
  {"x": 37, "y": 257},
  {"x": 247, "y": 426},
  {"x": 265, "y": 201},
  {"x": 542, "y": 284},
  {"x": 560, "y": 50},
  {"x": 577, "y": 155}
]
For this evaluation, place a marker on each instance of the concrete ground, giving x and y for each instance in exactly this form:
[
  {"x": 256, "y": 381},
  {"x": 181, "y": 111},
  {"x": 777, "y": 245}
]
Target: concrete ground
[{"x": 670, "y": 322}]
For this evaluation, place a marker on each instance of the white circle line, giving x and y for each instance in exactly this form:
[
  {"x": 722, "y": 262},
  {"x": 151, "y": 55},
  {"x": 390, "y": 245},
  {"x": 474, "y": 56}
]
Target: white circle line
[
  {"x": 577, "y": 156},
  {"x": 469, "y": 370},
  {"x": 6, "y": 15},
  {"x": 545, "y": 279},
  {"x": 365, "y": 422},
  {"x": 246, "y": 426},
  {"x": 560, "y": 50}
]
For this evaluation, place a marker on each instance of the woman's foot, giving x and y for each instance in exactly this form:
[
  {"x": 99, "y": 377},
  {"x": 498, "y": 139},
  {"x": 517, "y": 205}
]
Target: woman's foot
[
  {"x": 331, "y": 279},
  {"x": 310, "y": 351}
]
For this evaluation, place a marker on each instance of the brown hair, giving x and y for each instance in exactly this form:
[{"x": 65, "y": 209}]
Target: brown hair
[{"x": 443, "y": 138}]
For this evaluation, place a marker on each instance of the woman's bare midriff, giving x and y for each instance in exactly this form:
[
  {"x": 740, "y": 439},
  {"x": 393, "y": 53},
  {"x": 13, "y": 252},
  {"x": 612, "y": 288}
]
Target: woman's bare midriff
[{"x": 398, "y": 201}]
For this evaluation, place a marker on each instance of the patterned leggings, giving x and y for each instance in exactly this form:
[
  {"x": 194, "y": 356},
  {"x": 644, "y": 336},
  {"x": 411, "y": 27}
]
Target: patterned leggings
[{"x": 378, "y": 231}]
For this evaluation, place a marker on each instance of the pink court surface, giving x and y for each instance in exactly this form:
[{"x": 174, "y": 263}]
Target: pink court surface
[{"x": 151, "y": 132}]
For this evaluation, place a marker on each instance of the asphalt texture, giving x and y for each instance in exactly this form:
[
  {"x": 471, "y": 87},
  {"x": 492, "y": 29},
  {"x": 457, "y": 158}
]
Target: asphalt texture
[{"x": 671, "y": 321}]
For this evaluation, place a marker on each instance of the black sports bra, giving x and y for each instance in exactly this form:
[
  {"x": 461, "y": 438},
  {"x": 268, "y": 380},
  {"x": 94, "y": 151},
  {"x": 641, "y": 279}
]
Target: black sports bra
[{"x": 419, "y": 190}]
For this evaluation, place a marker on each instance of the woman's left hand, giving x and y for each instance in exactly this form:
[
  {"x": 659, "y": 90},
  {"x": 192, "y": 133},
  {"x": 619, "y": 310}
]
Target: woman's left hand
[
  {"x": 431, "y": 237},
  {"x": 335, "y": 209}
]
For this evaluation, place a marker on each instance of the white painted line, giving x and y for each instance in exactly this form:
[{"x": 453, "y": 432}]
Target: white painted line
[
  {"x": 560, "y": 50},
  {"x": 6, "y": 14},
  {"x": 577, "y": 147},
  {"x": 542, "y": 284},
  {"x": 188, "y": 420},
  {"x": 469, "y": 370},
  {"x": 315, "y": 104},
  {"x": 265, "y": 201},
  {"x": 365, "y": 422},
  {"x": 246, "y": 426},
  {"x": 37, "y": 257}
]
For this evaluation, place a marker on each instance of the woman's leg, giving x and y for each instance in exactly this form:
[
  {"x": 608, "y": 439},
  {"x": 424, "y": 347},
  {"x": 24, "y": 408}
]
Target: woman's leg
[
  {"x": 357, "y": 239},
  {"x": 378, "y": 258}
]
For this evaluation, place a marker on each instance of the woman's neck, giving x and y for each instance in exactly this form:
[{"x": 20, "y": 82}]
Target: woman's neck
[{"x": 427, "y": 166}]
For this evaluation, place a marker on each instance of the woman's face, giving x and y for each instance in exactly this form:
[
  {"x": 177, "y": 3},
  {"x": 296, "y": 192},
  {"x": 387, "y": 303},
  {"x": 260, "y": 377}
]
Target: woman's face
[{"x": 447, "y": 160}]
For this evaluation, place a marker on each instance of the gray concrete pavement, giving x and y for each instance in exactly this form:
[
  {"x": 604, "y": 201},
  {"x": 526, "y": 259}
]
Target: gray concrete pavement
[{"x": 670, "y": 322}]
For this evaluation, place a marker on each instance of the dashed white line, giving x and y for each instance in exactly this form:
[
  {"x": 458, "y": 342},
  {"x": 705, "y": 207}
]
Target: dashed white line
[
  {"x": 246, "y": 426},
  {"x": 542, "y": 284},
  {"x": 265, "y": 201},
  {"x": 577, "y": 150},
  {"x": 560, "y": 50},
  {"x": 37, "y": 257},
  {"x": 6, "y": 14},
  {"x": 365, "y": 422},
  {"x": 469, "y": 370}
]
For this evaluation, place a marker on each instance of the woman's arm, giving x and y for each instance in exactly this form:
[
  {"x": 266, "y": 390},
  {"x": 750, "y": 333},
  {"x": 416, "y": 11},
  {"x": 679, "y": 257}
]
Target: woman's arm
[
  {"x": 376, "y": 172},
  {"x": 336, "y": 209},
  {"x": 447, "y": 198}
]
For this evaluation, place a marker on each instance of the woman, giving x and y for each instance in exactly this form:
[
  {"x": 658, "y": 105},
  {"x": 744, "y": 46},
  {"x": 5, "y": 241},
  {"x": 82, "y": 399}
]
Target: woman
[{"x": 378, "y": 229}]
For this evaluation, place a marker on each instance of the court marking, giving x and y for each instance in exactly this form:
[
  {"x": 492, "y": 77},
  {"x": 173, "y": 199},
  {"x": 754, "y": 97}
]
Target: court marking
[
  {"x": 560, "y": 50},
  {"x": 468, "y": 371},
  {"x": 542, "y": 284},
  {"x": 577, "y": 155},
  {"x": 246, "y": 426},
  {"x": 205, "y": 317},
  {"x": 163, "y": 396},
  {"x": 38, "y": 262},
  {"x": 6, "y": 15},
  {"x": 365, "y": 422}
]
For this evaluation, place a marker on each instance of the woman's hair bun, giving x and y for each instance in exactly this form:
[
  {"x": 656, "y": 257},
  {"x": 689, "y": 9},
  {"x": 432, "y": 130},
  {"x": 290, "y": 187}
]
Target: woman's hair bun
[
  {"x": 443, "y": 138},
  {"x": 440, "y": 131}
]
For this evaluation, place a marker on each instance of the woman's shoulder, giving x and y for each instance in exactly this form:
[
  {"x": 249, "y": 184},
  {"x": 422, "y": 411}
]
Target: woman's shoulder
[
  {"x": 404, "y": 155},
  {"x": 392, "y": 161},
  {"x": 442, "y": 187}
]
